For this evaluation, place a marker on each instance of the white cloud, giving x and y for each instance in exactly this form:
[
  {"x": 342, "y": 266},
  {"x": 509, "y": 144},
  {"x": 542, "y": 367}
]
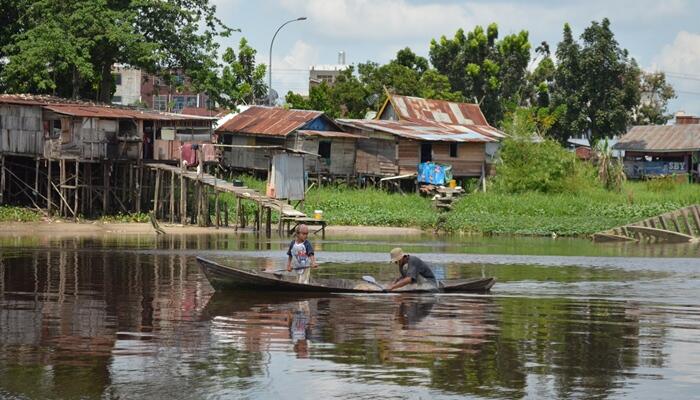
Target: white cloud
[
  {"x": 681, "y": 62},
  {"x": 681, "y": 56},
  {"x": 290, "y": 71}
]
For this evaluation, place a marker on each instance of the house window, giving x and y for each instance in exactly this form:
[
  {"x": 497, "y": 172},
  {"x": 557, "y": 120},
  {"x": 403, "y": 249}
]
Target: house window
[
  {"x": 178, "y": 103},
  {"x": 160, "y": 102},
  {"x": 117, "y": 79},
  {"x": 453, "y": 150},
  {"x": 117, "y": 99},
  {"x": 324, "y": 149},
  {"x": 426, "y": 152}
]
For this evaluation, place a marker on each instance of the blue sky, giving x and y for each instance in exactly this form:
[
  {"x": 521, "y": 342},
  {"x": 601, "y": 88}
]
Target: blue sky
[{"x": 661, "y": 35}]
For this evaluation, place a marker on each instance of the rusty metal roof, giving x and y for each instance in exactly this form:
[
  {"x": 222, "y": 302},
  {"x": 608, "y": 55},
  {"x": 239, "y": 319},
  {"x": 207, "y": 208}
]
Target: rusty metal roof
[
  {"x": 427, "y": 131},
  {"x": 79, "y": 108},
  {"x": 271, "y": 121},
  {"x": 330, "y": 134},
  {"x": 661, "y": 138},
  {"x": 416, "y": 109},
  {"x": 36, "y": 100},
  {"x": 94, "y": 111}
]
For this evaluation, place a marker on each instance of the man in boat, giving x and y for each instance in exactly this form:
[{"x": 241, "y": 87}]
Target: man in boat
[
  {"x": 411, "y": 269},
  {"x": 301, "y": 255}
]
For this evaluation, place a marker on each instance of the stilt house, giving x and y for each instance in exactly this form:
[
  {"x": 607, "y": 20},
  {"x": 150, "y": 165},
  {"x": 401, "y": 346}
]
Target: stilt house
[
  {"x": 411, "y": 130},
  {"x": 250, "y": 135}
]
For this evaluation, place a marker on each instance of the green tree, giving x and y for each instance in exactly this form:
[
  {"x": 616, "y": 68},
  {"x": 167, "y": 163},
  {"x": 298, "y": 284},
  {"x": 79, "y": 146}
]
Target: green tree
[
  {"x": 597, "y": 82},
  {"x": 485, "y": 70},
  {"x": 653, "y": 105},
  {"x": 68, "y": 48},
  {"x": 240, "y": 81}
]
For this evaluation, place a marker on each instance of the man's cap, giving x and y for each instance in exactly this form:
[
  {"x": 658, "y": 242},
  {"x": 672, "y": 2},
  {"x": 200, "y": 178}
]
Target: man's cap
[{"x": 396, "y": 255}]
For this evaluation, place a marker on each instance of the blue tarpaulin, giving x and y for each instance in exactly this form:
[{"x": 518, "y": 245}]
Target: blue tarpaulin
[{"x": 433, "y": 173}]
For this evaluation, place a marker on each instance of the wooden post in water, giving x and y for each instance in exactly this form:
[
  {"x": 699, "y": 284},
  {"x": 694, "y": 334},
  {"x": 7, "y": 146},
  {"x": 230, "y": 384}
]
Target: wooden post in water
[{"x": 268, "y": 222}]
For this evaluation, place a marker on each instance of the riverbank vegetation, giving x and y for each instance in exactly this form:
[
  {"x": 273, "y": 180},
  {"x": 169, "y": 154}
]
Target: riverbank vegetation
[{"x": 18, "y": 214}]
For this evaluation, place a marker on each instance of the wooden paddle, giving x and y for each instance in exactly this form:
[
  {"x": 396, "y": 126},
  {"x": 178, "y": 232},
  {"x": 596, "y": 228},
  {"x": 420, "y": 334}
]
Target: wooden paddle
[{"x": 370, "y": 279}]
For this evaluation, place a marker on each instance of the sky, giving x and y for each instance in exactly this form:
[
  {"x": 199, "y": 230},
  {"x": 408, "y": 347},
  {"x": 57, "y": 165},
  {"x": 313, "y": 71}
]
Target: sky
[{"x": 660, "y": 35}]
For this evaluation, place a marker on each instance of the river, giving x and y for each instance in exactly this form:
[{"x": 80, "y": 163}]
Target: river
[{"x": 122, "y": 317}]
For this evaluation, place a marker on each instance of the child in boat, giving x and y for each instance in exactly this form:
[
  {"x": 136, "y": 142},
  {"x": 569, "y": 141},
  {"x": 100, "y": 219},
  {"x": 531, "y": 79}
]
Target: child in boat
[{"x": 301, "y": 256}]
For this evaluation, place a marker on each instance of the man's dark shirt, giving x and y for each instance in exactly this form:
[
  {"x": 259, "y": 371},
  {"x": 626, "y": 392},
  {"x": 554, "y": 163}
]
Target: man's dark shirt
[{"x": 416, "y": 267}]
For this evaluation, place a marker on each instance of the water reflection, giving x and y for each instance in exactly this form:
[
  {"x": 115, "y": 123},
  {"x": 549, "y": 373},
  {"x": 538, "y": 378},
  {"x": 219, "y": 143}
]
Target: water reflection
[{"x": 84, "y": 320}]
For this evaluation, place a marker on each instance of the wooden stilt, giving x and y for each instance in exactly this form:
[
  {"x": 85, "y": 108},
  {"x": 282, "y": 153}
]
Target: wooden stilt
[
  {"x": 131, "y": 191},
  {"x": 217, "y": 210},
  {"x": 238, "y": 212},
  {"x": 36, "y": 178},
  {"x": 2, "y": 179},
  {"x": 105, "y": 188},
  {"x": 61, "y": 180},
  {"x": 90, "y": 189},
  {"x": 155, "y": 194},
  {"x": 183, "y": 200},
  {"x": 172, "y": 197},
  {"x": 49, "y": 189},
  {"x": 268, "y": 222},
  {"x": 77, "y": 188},
  {"x": 139, "y": 186}
]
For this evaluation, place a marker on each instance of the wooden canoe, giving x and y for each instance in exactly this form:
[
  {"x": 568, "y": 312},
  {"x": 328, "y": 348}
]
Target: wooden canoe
[{"x": 222, "y": 276}]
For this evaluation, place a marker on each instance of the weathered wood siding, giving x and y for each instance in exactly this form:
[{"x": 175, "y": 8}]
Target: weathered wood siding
[
  {"x": 376, "y": 157},
  {"x": 409, "y": 156},
  {"x": 470, "y": 158},
  {"x": 249, "y": 158},
  {"x": 21, "y": 130}
]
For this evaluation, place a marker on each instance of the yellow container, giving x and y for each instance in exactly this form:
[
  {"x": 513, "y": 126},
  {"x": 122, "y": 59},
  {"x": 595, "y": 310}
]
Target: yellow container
[
  {"x": 453, "y": 183},
  {"x": 318, "y": 214}
]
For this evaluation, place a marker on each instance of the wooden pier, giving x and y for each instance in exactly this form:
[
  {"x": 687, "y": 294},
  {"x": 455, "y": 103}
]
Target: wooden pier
[
  {"x": 680, "y": 226},
  {"x": 173, "y": 184}
]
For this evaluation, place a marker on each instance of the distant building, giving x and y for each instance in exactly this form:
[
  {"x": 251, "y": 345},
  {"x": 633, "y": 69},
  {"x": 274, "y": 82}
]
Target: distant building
[
  {"x": 128, "y": 84},
  {"x": 653, "y": 150},
  {"x": 327, "y": 72},
  {"x": 134, "y": 86}
]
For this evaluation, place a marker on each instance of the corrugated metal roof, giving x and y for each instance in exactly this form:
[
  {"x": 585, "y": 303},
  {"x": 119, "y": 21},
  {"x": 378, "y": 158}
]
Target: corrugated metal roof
[
  {"x": 661, "y": 138},
  {"x": 36, "y": 100},
  {"x": 428, "y": 131},
  {"x": 416, "y": 109},
  {"x": 330, "y": 134},
  {"x": 119, "y": 113},
  {"x": 78, "y": 108},
  {"x": 272, "y": 121}
]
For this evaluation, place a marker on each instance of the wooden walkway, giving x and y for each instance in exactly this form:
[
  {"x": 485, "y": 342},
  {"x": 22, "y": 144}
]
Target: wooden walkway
[
  {"x": 680, "y": 226},
  {"x": 289, "y": 216}
]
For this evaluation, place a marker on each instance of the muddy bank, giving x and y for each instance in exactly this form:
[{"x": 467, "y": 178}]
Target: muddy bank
[{"x": 62, "y": 228}]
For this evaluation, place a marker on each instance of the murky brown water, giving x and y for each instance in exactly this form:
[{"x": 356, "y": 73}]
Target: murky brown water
[{"x": 132, "y": 317}]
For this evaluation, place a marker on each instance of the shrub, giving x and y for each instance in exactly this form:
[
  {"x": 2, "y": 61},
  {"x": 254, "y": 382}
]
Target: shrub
[{"x": 542, "y": 166}]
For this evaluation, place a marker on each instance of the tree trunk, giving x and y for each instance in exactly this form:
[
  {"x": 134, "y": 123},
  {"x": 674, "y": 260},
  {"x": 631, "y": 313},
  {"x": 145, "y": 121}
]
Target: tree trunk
[{"x": 106, "y": 81}]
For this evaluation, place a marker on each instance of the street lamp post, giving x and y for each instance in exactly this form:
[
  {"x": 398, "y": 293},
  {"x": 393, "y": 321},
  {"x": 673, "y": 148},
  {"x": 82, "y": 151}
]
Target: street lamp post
[{"x": 269, "y": 82}]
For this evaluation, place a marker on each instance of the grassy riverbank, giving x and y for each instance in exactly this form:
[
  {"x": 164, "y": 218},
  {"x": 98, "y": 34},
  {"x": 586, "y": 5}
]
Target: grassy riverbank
[{"x": 529, "y": 213}]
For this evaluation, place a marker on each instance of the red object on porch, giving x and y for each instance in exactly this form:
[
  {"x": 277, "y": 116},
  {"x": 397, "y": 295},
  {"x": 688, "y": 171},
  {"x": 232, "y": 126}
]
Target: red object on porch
[{"x": 189, "y": 154}]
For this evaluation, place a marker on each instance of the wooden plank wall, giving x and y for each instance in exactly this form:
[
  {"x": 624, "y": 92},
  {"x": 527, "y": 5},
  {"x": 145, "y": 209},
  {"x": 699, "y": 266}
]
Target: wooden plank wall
[
  {"x": 409, "y": 156},
  {"x": 376, "y": 157},
  {"x": 470, "y": 157},
  {"x": 21, "y": 129},
  {"x": 249, "y": 158}
]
